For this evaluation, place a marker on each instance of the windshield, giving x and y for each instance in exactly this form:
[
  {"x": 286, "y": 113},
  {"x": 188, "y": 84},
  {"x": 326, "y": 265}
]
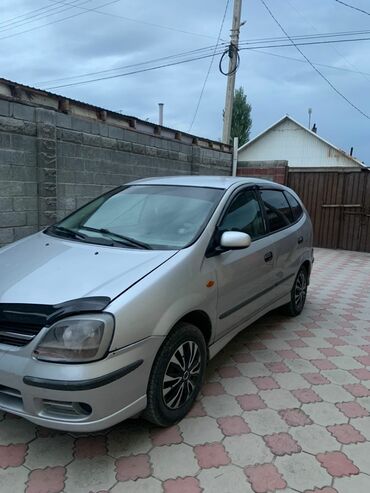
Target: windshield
[{"x": 143, "y": 216}]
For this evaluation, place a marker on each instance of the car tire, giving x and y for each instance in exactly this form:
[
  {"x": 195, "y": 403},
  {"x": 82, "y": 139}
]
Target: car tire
[
  {"x": 298, "y": 294},
  {"x": 177, "y": 375}
]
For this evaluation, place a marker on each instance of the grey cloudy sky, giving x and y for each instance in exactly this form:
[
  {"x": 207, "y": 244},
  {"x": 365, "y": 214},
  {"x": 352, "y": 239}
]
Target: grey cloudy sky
[{"x": 86, "y": 41}]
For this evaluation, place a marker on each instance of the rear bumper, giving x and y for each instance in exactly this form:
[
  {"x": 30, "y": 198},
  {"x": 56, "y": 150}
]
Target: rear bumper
[{"x": 86, "y": 397}]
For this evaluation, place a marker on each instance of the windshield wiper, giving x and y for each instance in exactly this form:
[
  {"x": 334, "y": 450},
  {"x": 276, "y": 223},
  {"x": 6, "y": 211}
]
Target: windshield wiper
[
  {"x": 68, "y": 232},
  {"x": 127, "y": 240},
  {"x": 80, "y": 236}
]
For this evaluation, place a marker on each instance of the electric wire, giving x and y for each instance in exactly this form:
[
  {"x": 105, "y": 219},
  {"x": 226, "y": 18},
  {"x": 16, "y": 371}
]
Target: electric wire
[
  {"x": 55, "y": 21},
  {"x": 209, "y": 67},
  {"x": 242, "y": 43},
  {"x": 51, "y": 11},
  {"x": 353, "y": 7},
  {"x": 201, "y": 57},
  {"x": 301, "y": 60},
  {"x": 312, "y": 65},
  {"x": 149, "y": 69},
  {"x": 198, "y": 51},
  {"x": 138, "y": 21},
  {"x": 26, "y": 15},
  {"x": 334, "y": 48},
  {"x": 305, "y": 36},
  {"x": 231, "y": 51}
]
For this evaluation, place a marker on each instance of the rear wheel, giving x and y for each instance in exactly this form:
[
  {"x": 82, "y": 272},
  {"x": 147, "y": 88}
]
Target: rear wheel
[
  {"x": 298, "y": 294},
  {"x": 176, "y": 376}
]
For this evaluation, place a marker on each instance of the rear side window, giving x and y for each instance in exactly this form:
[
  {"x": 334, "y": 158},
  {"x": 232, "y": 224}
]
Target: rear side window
[
  {"x": 278, "y": 212},
  {"x": 244, "y": 214},
  {"x": 297, "y": 210}
]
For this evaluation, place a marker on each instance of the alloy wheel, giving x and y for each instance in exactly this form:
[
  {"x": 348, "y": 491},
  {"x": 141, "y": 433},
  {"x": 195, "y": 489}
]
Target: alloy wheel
[
  {"x": 300, "y": 290},
  {"x": 182, "y": 375}
]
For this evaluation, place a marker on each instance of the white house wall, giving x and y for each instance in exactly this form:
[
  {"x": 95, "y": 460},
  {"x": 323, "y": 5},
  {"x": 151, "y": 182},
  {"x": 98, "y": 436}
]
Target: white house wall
[{"x": 288, "y": 142}]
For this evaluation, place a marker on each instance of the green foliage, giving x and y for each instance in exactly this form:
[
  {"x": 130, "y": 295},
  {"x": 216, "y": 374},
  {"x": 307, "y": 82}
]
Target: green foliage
[{"x": 241, "y": 122}]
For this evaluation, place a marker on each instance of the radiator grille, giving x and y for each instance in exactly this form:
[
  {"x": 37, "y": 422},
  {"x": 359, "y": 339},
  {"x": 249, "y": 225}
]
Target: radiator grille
[{"x": 17, "y": 334}]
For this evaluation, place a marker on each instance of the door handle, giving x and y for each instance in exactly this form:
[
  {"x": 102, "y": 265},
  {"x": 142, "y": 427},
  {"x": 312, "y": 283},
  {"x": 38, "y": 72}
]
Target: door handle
[
  {"x": 300, "y": 240},
  {"x": 269, "y": 256}
]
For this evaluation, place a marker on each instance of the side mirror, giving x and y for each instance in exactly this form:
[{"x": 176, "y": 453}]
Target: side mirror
[{"x": 235, "y": 240}]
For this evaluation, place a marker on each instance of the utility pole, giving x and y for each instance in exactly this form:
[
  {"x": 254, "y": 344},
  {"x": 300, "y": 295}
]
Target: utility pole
[{"x": 233, "y": 60}]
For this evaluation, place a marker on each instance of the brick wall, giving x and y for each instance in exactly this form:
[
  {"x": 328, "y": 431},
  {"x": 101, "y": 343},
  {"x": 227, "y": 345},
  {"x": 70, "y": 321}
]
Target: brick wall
[
  {"x": 268, "y": 170},
  {"x": 52, "y": 163}
]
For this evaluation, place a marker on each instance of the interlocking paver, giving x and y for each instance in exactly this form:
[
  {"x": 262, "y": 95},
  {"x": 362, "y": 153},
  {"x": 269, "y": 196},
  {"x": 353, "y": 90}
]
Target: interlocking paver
[
  {"x": 226, "y": 479},
  {"x": 90, "y": 475},
  {"x": 282, "y": 395},
  {"x": 265, "y": 478},
  {"x": 357, "y": 484},
  {"x": 53, "y": 451},
  {"x": 302, "y": 471},
  {"x": 337, "y": 464},
  {"x": 360, "y": 455},
  {"x": 265, "y": 421},
  {"x": 346, "y": 434},
  {"x": 164, "y": 465},
  {"x": 247, "y": 449},
  {"x": 279, "y": 399},
  {"x": 314, "y": 439},
  {"x": 324, "y": 413},
  {"x": 196, "y": 431}
]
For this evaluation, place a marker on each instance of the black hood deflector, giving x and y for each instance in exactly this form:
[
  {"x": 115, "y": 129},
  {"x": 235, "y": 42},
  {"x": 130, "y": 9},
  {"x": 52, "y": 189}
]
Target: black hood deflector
[{"x": 45, "y": 315}]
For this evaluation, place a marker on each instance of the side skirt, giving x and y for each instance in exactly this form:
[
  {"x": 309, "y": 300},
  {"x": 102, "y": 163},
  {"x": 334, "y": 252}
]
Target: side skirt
[{"x": 220, "y": 343}]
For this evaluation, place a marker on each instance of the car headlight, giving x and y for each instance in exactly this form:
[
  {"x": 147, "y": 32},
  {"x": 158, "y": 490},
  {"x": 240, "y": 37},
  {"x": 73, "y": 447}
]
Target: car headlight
[{"x": 77, "y": 339}]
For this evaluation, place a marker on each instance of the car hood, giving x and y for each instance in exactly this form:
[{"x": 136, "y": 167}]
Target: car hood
[{"x": 42, "y": 269}]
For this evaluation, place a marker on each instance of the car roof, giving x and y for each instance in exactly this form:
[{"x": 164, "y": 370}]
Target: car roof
[{"x": 222, "y": 182}]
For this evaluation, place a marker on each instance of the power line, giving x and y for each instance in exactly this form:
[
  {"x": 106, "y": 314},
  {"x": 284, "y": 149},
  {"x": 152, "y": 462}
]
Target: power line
[
  {"x": 312, "y": 65},
  {"x": 138, "y": 21},
  {"x": 55, "y": 22},
  {"x": 307, "y": 36},
  {"x": 50, "y": 11},
  {"x": 201, "y": 57},
  {"x": 26, "y": 14},
  {"x": 310, "y": 43},
  {"x": 209, "y": 67},
  {"x": 285, "y": 57},
  {"x": 352, "y": 7},
  {"x": 149, "y": 69},
  {"x": 198, "y": 51},
  {"x": 334, "y": 48}
]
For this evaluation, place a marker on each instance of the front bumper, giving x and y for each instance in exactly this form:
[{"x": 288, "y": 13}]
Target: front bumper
[{"x": 77, "y": 397}]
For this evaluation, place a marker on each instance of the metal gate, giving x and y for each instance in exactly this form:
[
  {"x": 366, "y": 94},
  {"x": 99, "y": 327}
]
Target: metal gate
[{"x": 338, "y": 202}]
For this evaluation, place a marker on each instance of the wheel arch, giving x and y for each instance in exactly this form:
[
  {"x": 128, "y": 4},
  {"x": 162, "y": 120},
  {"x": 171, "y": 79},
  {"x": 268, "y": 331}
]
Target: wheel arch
[
  {"x": 201, "y": 320},
  {"x": 308, "y": 266}
]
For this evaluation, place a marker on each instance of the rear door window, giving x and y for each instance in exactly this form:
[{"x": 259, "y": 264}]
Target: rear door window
[
  {"x": 277, "y": 208},
  {"x": 297, "y": 210}
]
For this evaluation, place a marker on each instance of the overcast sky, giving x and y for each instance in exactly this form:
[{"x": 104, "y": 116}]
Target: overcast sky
[{"x": 87, "y": 41}]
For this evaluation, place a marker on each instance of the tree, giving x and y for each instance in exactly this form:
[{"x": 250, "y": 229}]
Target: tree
[{"x": 241, "y": 122}]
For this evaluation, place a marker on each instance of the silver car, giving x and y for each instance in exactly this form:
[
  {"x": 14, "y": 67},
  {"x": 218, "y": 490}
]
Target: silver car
[{"x": 115, "y": 310}]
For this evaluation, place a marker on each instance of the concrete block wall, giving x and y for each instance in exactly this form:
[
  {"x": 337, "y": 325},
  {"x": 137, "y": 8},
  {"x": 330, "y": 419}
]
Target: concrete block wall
[
  {"x": 52, "y": 163},
  {"x": 90, "y": 163},
  {"x": 18, "y": 172},
  {"x": 268, "y": 170}
]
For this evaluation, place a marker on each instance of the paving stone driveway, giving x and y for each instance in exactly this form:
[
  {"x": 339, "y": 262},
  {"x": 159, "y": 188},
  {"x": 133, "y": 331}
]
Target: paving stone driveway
[{"x": 286, "y": 408}]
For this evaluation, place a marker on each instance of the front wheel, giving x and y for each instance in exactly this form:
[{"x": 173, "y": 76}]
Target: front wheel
[
  {"x": 177, "y": 375},
  {"x": 298, "y": 294}
]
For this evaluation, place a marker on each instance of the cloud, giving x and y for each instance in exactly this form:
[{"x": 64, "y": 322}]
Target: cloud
[{"x": 275, "y": 86}]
